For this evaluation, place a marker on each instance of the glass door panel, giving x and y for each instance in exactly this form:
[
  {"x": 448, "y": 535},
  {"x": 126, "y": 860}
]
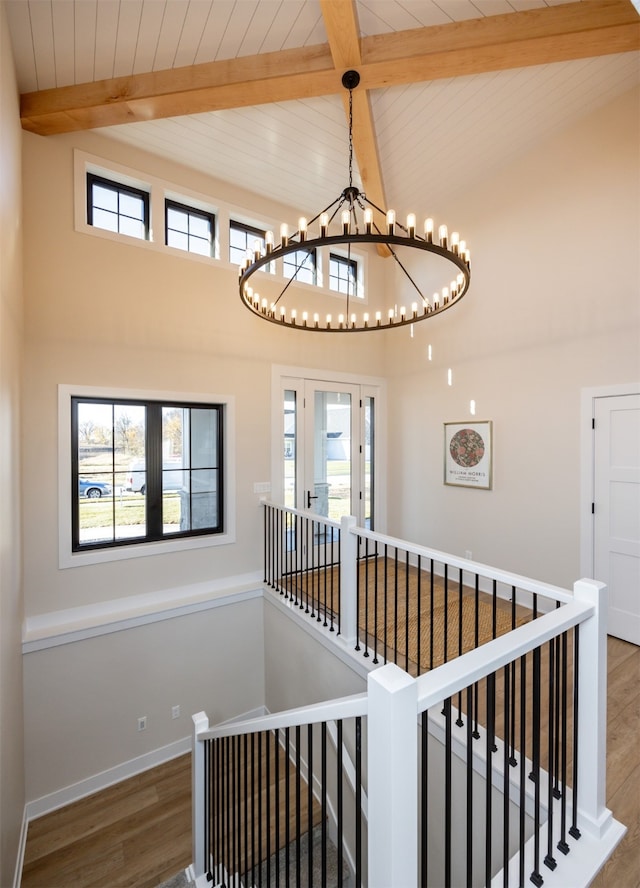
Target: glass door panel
[{"x": 331, "y": 448}]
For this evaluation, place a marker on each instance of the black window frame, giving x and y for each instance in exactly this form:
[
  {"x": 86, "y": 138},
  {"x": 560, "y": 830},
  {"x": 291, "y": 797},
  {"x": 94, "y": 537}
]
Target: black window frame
[
  {"x": 154, "y": 466},
  {"x": 343, "y": 262},
  {"x": 259, "y": 233},
  {"x": 119, "y": 188},
  {"x": 170, "y": 204},
  {"x": 289, "y": 259}
]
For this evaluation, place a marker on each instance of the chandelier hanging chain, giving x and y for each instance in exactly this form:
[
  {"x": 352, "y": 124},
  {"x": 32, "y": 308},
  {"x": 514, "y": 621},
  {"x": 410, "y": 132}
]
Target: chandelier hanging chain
[{"x": 307, "y": 249}]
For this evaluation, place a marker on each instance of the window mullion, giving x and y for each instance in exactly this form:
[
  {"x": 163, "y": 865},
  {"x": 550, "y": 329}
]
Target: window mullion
[{"x": 154, "y": 471}]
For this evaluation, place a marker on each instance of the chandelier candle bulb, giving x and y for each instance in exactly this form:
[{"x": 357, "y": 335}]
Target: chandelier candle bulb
[
  {"x": 302, "y": 229},
  {"x": 391, "y": 221},
  {"x": 345, "y": 221},
  {"x": 414, "y": 309},
  {"x": 436, "y": 300},
  {"x": 294, "y": 315},
  {"x": 316, "y": 319},
  {"x": 428, "y": 230},
  {"x": 365, "y": 318},
  {"x": 257, "y": 250},
  {"x": 328, "y": 321},
  {"x": 341, "y": 321},
  {"x": 284, "y": 234},
  {"x": 411, "y": 224},
  {"x": 445, "y": 295},
  {"x": 378, "y": 318},
  {"x": 391, "y": 315},
  {"x": 353, "y": 320},
  {"x": 403, "y": 312},
  {"x": 283, "y": 313},
  {"x": 268, "y": 239},
  {"x": 368, "y": 220},
  {"x": 304, "y": 318},
  {"x": 455, "y": 239},
  {"x": 443, "y": 235},
  {"x": 324, "y": 224}
]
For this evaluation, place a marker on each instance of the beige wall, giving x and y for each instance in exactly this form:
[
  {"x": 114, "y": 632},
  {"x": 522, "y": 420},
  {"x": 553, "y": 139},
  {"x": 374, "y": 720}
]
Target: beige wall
[
  {"x": 11, "y": 707},
  {"x": 84, "y": 699},
  {"x": 553, "y": 308}
]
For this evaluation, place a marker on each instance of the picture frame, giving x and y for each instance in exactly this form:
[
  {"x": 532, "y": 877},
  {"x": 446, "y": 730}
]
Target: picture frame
[{"x": 468, "y": 454}]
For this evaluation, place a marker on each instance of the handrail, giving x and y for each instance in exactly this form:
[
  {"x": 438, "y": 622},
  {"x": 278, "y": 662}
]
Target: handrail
[
  {"x": 455, "y": 675},
  {"x": 343, "y": 707}
]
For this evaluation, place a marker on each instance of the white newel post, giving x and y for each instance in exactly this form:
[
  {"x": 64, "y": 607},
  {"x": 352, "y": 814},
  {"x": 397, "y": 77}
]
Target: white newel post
[
  {"x": 592, "y": 710},
  {"x": 392, "y": 738},
  {"x": 200, "y": 723},
  {"x": 348, "y": 580}
]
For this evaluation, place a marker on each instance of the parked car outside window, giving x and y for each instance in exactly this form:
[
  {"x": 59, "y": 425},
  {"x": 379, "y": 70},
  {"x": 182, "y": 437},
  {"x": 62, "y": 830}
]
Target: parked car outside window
[{"x": 93, "y": 489}]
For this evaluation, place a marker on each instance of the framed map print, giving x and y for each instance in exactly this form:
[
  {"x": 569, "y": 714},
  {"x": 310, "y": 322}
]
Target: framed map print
[{"x": 468, "y": 452}]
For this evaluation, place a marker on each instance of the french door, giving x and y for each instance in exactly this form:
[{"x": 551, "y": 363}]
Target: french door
[{"x": 329, "y": 448}]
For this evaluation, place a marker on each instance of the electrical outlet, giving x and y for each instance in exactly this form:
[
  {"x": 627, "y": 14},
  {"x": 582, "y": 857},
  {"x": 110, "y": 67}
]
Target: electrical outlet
[
  {"x": 175, "y": 712},
  {"x": 142, "y": 723}
]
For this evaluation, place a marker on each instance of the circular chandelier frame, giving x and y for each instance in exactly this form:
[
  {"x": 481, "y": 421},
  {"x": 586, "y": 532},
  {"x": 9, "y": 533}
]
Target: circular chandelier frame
[{"x": 364, "y": 231}]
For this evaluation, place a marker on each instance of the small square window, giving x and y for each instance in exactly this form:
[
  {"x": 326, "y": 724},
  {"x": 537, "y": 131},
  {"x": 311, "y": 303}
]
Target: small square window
[
  {"x": 245, "y": 239},
  {"x": 189, "y": 229},
  {"x": 343, "y": 275},
  {"x": 300, "y": 265},
  {"x": 117, "y": 207}
]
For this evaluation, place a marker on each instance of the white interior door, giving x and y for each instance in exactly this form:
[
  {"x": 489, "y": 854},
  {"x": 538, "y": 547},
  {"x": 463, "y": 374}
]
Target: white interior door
[{"x": 616, "y": 510}]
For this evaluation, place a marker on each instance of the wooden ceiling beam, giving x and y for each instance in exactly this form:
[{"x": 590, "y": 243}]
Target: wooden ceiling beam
[
  {"x": 343, "y": 32},
  {"x": 534, "y": 37}
]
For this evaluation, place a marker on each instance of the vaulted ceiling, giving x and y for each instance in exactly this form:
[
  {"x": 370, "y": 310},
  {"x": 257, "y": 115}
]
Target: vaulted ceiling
[{"x": 250, "y": 90}]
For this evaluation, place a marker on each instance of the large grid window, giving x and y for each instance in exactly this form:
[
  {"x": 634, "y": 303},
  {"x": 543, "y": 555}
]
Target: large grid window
[
  {"x": 144, "y": 471},
  {"x": 189, "y": 229},
  {"x": 117, "y": 207},
  {"x": 343, "y": 275},
  {"x": 300, "y": 265}
]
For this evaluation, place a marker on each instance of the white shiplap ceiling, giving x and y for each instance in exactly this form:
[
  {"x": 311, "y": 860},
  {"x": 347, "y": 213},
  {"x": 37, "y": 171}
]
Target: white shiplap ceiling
[{"x": 434, "y": 138}]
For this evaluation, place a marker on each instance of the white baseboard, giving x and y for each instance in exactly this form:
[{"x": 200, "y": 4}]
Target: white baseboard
[{"x": 81, "y": 789}]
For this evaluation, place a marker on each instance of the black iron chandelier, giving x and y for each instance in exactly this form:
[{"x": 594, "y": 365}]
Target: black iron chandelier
[{"x": 351, "y": 219}]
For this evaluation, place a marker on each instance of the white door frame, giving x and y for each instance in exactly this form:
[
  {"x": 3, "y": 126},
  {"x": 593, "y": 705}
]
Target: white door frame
[
  {"x": 587, "y": 466},
  {"x": 376, "y": 385}
]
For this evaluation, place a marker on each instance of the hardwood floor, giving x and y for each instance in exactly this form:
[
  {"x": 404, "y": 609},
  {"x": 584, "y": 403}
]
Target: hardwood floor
[{"x": 138, "y": 833}]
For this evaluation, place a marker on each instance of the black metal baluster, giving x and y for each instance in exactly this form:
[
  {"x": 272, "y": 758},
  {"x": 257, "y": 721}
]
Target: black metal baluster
[
  {"x": 298, "y": 807},
  {"x": 323, "y": 793},
  {"x": 574, "y": 832},
  {"x": 325, "y": 571},
  {"x": 340, "y": 800},
  {"x": 287, "y": 796},
  {"x": 265, "y": 553},
  {"x": 406, "y": 612},
  {"x": 536, "y": 878},
  {"x": 448, "y": 801},
  {"x": 245, "y": 741},
  {"x": 358, "y": 805},
  {"x": 267, "y": 738},
  {"x": 276, "y": 767},
  {"x": 424, "y": 798},
  {"x": 556, "y": 768},
  {"x": 234, "y": 843},
  {"x": 431, "y": 634},
  {"x": 469, "y": 849},
  {"x": 375, "y": 604},
  {"x": 446, "y": 613},
  {"x": 395, "y": 606},
  {"x": 494, "y": 610},
  {"x": 366, "y": 597},
  {"x": 505, "y": 776},
  {"x": 459, "y": 720},
  {"x": 310, "y": 798},
  {"x": 260, "y": 812},
  {"x": 358, "y": 597},
  {"x": 563, "y": 847},
  {"x": 491, "y": 679},
  {"x": 419, "y": 608},
  {"x": 514, "y": 619},
  {"x": 549, "y": 859},
  {"x": 523, "y": 763},
  {"x": 476, "y": 732},
  {"x": 386, "y": 591},
  {"x": 228, "y": 817}
]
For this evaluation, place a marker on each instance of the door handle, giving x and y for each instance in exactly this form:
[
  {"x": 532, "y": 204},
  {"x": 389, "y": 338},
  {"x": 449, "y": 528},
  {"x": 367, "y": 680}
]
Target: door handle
[{"x": 309, "y": 498}]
